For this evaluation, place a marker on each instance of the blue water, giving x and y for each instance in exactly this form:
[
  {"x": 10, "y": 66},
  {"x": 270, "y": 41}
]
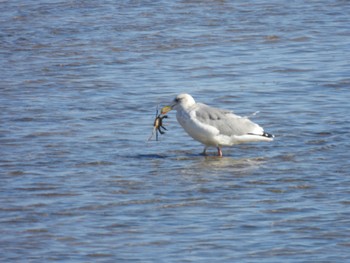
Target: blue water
[{"x": 80, "y": 83}]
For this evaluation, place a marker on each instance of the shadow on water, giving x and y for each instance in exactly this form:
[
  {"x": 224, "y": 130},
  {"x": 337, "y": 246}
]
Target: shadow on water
[
  {"x": 226, "y": 165},
  {"x": 149, "y": 156},
  {"x": 195, "y": 163}
]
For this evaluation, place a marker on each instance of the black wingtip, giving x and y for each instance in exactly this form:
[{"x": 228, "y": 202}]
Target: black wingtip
[{"x": 268, "y": 135}]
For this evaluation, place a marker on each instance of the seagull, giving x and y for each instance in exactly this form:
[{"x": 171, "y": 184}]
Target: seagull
[{"x": 214, "y": 127}]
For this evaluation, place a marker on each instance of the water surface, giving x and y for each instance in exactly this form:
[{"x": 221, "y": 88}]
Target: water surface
[{"x": 80, "y": 83}]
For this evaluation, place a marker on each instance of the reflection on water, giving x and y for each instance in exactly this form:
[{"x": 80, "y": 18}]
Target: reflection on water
[{"x": 80, "y": 82}]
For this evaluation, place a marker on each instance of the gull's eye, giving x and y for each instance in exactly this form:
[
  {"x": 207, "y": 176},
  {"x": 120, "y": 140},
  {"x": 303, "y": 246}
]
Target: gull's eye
[{"x": 177, "y": 100}]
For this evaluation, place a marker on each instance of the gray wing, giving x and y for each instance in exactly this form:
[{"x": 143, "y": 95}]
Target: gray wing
[{"x": 225, "y": 121}]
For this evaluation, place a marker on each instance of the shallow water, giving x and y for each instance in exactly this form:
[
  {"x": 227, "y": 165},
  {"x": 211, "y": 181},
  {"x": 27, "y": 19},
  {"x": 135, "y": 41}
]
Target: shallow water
[{"x": 80, "y": 85}]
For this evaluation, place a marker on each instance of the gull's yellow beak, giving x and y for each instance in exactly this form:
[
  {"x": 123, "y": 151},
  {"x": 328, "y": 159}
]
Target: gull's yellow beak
[{"x": 165, "y": 109}]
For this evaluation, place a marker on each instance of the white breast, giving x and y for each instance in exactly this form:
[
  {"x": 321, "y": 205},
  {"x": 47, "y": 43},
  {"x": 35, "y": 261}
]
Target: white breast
[{"x": 202, "y": 133}]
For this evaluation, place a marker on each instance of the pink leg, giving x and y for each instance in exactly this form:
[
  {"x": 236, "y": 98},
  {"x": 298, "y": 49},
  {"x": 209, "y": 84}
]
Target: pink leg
[
  {"x": 219, "y": 152},
  {"x": 205, "y": 150}
]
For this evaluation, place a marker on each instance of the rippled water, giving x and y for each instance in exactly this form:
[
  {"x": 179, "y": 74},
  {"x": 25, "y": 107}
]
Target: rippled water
[{"x": 80, "y": 82}]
